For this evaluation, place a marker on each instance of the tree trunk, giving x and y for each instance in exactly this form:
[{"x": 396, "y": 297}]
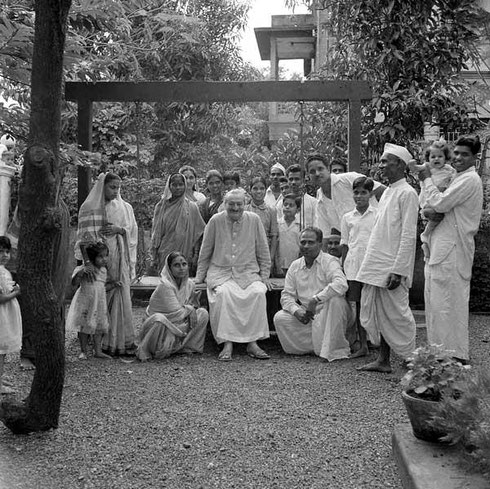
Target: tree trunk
[{"x": 42, "y": 218}]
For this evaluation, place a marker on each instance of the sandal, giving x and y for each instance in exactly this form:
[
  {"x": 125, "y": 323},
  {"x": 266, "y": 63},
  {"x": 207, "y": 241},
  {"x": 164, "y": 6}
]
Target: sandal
[{"x": 258, "y": 354}]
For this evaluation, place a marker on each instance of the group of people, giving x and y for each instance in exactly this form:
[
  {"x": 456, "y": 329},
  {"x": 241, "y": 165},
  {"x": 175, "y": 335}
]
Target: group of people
[{"x": 354, "y": 244}]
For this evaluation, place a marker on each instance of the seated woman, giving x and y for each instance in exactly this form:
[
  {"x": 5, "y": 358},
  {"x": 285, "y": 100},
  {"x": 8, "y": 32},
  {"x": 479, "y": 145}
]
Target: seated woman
[
  {"x": 175, "y": 323},
  {"x": 214, "y": 182},
  {"x": 177, "y": 225},
  {"x": 191, "y": 178}
]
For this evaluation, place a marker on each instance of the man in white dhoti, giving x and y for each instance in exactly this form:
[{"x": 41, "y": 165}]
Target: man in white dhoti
[
  {"x": 452, "y": 246},
  {"x": 235, "y": 262},
  {"x": 387, "y": 267},
  {"x": 315, "y": 313}
]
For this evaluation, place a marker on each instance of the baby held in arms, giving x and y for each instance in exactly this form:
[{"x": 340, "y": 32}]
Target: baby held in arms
[{"x": 438, "y": 159}]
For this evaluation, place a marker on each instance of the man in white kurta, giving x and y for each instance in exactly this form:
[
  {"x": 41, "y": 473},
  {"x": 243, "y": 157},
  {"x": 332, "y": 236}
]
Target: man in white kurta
[
  {"x": 273, "y": 195},
  {"x": 387, "y": 268},
  {"x": 314, "y": 314},
  {"x": 334, "y": 196},
  {"x": 452, "y": 246},
  {"x": 235, "y": 262}
]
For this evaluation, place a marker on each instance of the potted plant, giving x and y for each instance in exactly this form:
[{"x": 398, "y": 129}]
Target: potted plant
[{"x": 433, "y": 375}]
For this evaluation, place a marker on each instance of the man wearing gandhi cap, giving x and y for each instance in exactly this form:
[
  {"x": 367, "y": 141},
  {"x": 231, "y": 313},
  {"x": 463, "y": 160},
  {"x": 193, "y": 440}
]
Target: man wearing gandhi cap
[
  {"x": 387, "y": 267},
  {"x": 273, "y": 194}
]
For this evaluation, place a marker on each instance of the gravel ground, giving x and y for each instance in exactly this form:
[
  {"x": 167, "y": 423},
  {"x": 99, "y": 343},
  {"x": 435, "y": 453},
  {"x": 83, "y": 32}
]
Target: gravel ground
[{"x": 194, "y": 422}]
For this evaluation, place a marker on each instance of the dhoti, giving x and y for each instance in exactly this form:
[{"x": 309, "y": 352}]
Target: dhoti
[
  {"x": 446, "y": 306},
  {"x": 324, "y": 336},
  {"x": 237, "y": 314},
  {"x": 387, "y": 312}
]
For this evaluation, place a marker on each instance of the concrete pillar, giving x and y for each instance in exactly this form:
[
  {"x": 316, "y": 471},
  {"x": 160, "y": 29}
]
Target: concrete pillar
[{"x": 6, "y": 173}]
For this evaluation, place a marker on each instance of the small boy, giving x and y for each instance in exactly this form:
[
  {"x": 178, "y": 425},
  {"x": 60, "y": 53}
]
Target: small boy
[
  {"x": 289, "y": 231},
  {"x": 356, "y": 227},
  {"x": 231, "y": 180}
]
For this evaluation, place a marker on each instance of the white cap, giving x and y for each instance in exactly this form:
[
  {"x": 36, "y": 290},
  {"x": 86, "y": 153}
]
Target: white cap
[
  {"x": 278, "y": 166},
  {"x": 399, "y": 151}
]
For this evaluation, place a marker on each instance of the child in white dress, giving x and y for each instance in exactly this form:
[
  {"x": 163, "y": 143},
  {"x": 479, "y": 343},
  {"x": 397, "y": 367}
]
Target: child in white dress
[
  {"x": 88, "y": 309},
  {"x": 10, "y": 318},
  {"x": 438, "y": 159}
]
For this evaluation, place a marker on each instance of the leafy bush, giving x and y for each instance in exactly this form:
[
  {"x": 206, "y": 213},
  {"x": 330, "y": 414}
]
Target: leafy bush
[{"x": 480, "y": 281}]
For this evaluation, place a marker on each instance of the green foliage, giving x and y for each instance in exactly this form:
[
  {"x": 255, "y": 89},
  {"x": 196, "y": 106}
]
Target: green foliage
[{"x": 433, "y": 374}]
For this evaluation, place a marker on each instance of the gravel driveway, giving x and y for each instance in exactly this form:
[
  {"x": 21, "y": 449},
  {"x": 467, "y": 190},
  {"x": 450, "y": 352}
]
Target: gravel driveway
[{"x": 194, "y": 422}]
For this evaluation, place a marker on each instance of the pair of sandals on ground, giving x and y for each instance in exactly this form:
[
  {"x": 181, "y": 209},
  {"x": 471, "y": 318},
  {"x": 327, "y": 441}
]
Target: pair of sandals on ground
[{"x": 253, "y": 350}]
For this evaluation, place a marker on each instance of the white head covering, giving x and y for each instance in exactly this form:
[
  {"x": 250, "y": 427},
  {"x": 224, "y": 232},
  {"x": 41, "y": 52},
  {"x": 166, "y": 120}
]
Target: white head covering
[
  {"x": 278, "y": 166},
  {"x": 398, "y": 151}
]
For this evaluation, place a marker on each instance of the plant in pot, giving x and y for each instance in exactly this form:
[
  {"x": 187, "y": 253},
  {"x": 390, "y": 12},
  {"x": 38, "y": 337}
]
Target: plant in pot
[{"x": 433, "y": 375}]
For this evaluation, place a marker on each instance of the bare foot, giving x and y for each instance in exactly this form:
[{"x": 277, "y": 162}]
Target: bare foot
[
  {"x": 102, "y": 355},
  {"x": 26, "y": 364},
  {"x": 362, "y": 352},
  {"x": 82, "y": 356},
  {"x": 376, "y": 366},
  {"x": 226, "y": 353}
]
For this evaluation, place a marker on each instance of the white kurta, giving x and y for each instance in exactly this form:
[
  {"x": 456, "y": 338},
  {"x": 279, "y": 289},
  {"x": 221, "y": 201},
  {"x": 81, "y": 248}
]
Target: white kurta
[
  {"x": 330, "y": 211},
  {"x": 448, "y": 271},
  {"x": 325, "y": 335},
  {"x": 355, "y": 231},
  {"x": 235, "y": 259},
  {"x": 391, "y": 249}
]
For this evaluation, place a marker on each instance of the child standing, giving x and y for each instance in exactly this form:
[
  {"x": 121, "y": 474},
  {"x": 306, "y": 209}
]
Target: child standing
[
  {"x": 289, "y": 231},
  {"x": 10, "y": 318},
  {"x": 438, "y": 158},
  {"x": 356, "y": 227},
  {"x": 88, "y": 309},
  {"x": 267, "y": 214}
]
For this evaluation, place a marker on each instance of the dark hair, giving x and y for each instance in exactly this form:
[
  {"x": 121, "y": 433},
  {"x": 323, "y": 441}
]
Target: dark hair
[
  {"x": 173, "y": 256},
  {"x": 110, "y": 176},
  {"x": 441, "y": 146},
  {"x": 95, "y": 249},
  {"x": 5, "y": 243},
  {"x": 363, "y": 182},
  {"x": 338, "y": 162},
  {"x": 297, "y": 199},
  {"x": 317, "y": 231},
  {"x": 283, "y": 180},
  {"x": 257, "y": 179},
  {"x": 317, "y": 157},
  {"x": 179, "y": 175},
  {"x": 294, "y": 169},
  {"x": 212, "y": 174},
  {"x": 232, "y": 175},
  {"x": 471, "y": 141}
]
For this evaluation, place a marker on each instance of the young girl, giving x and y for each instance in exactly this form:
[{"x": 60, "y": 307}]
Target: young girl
[
  {"x": 267, "y": 214},
  {"x": 289, "y": 231},
  {"x": 438, "y": 158},
  {"x": 88, "y": 309},
  {"x": 10, "y": 318}
]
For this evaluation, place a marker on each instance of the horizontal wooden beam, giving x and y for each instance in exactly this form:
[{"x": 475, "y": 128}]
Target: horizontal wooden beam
[{"x": 200, "y": 91}]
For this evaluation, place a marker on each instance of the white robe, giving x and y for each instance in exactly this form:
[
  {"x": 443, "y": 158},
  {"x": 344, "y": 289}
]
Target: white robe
[
  {"x": 448, "y": 271},
  {"x": 391, "y": 249},
  {"x": 325, "y": 335}
]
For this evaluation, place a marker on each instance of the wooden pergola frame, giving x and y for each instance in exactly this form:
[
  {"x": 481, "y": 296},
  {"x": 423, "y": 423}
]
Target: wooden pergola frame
[{"x": 352, "y": 92}]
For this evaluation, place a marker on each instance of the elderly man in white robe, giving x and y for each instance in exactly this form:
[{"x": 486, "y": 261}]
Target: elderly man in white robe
[
  {"x": 387, "y": 268},
  {"x": 315, "y": 312},
  {"x": 452, "y": 247},
  {"x": 235, "y": 263}
]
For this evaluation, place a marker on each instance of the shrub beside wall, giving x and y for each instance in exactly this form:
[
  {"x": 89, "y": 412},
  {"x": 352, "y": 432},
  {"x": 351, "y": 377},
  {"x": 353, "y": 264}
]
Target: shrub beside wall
[{"x": 480, "y": 281}]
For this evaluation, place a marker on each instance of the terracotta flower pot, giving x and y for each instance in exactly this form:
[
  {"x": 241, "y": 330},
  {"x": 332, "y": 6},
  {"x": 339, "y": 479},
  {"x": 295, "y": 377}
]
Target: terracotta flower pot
[{"x": 420, "y": 412}]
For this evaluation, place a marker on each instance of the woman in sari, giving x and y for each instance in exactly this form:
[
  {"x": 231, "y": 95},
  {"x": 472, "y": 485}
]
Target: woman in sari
[
  {"x": 105, "y": 216},
  {"x": 214, "y": 183},
  {"x": 177, "y": 224},
  {"x": 175, "y": 322},
  {"x": 192, "y": 192}
]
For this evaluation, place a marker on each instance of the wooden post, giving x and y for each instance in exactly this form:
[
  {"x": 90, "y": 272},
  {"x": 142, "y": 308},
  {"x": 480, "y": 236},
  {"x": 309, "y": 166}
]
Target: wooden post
[
  {"x": 85, "y": 143},
  {"x": 354, "y": 135}
]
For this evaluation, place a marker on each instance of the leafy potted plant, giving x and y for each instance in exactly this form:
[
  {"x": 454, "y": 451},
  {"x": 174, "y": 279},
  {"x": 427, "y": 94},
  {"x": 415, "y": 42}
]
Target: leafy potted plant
[{"x": 433, "y": 375}]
